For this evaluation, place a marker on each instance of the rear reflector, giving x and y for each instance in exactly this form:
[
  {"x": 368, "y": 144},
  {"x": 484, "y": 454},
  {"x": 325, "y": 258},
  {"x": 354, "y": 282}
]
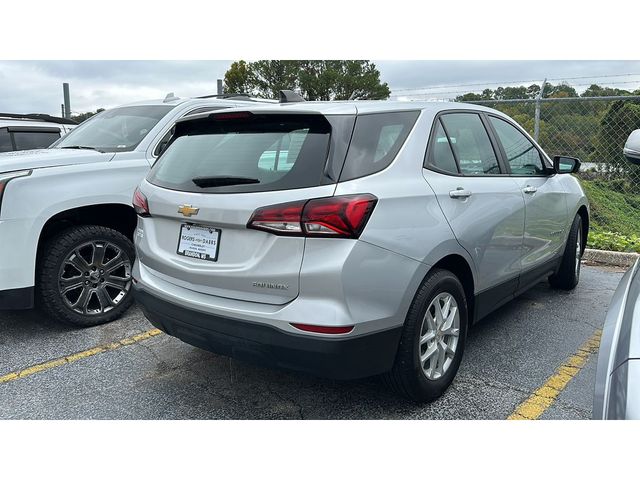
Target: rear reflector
[
  {"x": 342, "y": 217},
  {"x": 140, "y": 204},
  {"x": 322, "y": 329}
]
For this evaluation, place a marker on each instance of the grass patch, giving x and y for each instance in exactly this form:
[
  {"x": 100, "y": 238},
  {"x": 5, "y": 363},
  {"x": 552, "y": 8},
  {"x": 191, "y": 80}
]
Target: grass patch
[{"x": 615, "y": 215}]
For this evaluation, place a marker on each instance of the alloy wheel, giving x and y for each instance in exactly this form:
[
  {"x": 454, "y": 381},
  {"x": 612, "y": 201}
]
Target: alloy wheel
[
  {"x": 95, "y": 277},
  {"x": 439, "y": 336}
]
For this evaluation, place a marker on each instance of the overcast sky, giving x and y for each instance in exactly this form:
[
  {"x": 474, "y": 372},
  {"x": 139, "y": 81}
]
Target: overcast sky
[{"x": 36, "y": 86}]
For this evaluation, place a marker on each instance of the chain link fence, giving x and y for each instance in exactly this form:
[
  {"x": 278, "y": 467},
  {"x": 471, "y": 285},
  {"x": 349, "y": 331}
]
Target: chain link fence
[{"x": 593, "y": 129}]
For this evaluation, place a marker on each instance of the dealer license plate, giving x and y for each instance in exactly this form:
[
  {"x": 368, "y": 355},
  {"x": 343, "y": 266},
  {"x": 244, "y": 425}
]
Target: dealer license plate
[{"x": 198, "y": 241}]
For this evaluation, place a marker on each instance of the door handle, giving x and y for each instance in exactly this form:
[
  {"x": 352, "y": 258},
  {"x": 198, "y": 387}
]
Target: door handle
[
  {"x": 529, "y": 189},
  {"x": 460, "y": 193}
]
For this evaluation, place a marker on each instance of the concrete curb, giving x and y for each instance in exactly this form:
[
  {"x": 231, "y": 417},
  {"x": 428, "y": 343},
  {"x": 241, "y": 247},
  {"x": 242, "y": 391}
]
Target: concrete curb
[{"x": 606, "y": 257}]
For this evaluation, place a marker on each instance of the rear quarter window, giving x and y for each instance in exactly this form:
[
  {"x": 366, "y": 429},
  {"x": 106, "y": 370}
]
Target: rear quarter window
[{"x": 377, "y": 139}]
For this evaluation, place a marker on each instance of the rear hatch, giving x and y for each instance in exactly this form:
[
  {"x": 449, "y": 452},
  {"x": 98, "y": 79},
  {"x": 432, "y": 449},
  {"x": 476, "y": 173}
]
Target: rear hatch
[{"x": 218, "y": 170}]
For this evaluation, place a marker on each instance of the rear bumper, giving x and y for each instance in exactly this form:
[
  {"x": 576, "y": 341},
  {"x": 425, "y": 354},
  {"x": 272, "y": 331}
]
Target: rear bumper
[{"x": 339, "y": 358}]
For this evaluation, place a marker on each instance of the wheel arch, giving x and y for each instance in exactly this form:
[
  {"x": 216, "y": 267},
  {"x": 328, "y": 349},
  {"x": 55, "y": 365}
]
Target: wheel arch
[
  {"x": 460, "y": 267},
  {"x": 117, "y": 216}
]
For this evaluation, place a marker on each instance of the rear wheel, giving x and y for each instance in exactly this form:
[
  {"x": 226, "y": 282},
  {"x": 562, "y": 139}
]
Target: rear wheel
[
  {"x": 84, "y": 276},
  {"x": 433, "y": 338},
  {"x": 568, "y": 274}
]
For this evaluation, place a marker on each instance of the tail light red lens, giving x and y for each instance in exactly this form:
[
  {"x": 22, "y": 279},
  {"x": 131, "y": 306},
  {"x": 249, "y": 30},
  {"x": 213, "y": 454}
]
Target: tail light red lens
[
  {"x": 283, "y": 218},
  {"x": 140, "y": 204},
  {"x": 342, "y": 217},
  {"x": 322, "y": 329}
]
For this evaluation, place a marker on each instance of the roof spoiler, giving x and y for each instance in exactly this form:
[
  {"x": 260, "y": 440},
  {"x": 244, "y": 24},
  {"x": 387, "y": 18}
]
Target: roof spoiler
[
  {"x": 43, "y": 117},
  {"x": 289, "y": 96}
]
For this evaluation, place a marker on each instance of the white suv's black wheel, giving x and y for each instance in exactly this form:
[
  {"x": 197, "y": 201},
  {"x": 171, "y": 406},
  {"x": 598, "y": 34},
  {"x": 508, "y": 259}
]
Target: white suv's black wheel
[
  {"x": 568, "y": 274},
  {"x": 84, "y": 276},
  {"x": 433, "y": 338}
]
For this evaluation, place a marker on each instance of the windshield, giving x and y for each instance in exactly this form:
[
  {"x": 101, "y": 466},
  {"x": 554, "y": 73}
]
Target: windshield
[{"x": 116, "y": 130}]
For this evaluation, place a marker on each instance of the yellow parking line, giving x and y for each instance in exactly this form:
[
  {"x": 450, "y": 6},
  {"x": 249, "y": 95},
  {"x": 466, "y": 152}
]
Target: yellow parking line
[
  {"x": 58, "y": 362},
  {"x": 547, "y": 394}
]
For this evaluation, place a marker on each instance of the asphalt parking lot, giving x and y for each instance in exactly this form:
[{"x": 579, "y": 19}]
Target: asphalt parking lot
[{"x": 125, "y": 370}]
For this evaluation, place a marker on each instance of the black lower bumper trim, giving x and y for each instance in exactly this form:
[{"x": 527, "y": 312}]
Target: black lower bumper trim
[
  {"x": 339, "y": 358},
  {"x": 16, "y": 298}
]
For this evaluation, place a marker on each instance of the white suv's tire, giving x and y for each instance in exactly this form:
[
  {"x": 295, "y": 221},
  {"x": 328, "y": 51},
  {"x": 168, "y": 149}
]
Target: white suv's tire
[{"x": 84, "y": 275}]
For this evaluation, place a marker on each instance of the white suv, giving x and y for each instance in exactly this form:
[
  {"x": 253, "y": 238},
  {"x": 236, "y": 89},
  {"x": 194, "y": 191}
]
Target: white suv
[
  {"x": 31, "y": 131},
  {"x": 66, "y": 221}
]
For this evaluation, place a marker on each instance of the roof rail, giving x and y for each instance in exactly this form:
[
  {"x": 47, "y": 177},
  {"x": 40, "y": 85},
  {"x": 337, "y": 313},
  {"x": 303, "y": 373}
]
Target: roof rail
[
  {"x": 226, "y": 96},
  {"x": 42, "y": 117},
  {"x": 289, "y": 96}
]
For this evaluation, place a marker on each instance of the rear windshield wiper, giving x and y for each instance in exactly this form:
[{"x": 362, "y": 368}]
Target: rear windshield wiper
[
  {"x": 83, "y": 147},
  {"x": 221, "y": 181}
]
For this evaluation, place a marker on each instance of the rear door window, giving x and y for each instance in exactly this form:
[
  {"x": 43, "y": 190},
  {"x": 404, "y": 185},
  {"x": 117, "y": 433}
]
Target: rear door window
[
  {"x": 377, "y": 139},
  {"x": 470, "y": 143},
  {"x": 251, "y": 153}
]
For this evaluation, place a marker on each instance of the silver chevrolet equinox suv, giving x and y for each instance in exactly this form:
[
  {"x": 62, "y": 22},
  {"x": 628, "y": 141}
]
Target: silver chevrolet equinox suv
[{"x": 350, "y": 239}]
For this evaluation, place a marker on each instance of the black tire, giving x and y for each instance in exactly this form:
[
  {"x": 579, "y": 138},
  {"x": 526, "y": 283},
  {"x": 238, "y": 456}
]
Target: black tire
[
  {"x": 568, "y": 274},
  {"x": 53, "y": 269},
  {"x": 407, "y": 376}
]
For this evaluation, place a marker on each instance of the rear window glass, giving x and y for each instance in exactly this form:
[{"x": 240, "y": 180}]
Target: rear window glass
[
  {"x": 5, "y": 141},
  {"x": 254, "y": 154},
  {"x": 33, "y": 140},
  {"x": 377, "y": 139}
]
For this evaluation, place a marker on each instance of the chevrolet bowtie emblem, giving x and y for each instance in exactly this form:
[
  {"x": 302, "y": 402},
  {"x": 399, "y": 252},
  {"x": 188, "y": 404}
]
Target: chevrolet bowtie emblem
[{"x": 188, "y": 210}]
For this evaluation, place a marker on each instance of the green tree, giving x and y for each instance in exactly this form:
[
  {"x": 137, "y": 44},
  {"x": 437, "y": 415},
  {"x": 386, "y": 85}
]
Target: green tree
[
  {"x": 563, "y": 90},
  {"x": 470, "y": 97},
  {"x": 598, "y": 91},
  {"x": 315, "y": 79},
  {"x": 620, "y": 120},
  {"x": 81, "y": 117},
  {"x": 236, "y": 79},
  {"x": 533, "y": 90}
]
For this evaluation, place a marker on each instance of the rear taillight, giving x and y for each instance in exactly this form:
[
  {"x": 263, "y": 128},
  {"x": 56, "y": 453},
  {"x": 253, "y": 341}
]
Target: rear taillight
[
  {"x": 140, "y": 204},
  {"x": 342, "y": 217},
  {"x": 283, "y": 218}
]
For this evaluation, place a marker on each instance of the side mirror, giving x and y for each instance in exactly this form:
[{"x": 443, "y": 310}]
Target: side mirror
[
  {"x": 632, "y": 147},
  {"x": 566, "y": 164}
]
